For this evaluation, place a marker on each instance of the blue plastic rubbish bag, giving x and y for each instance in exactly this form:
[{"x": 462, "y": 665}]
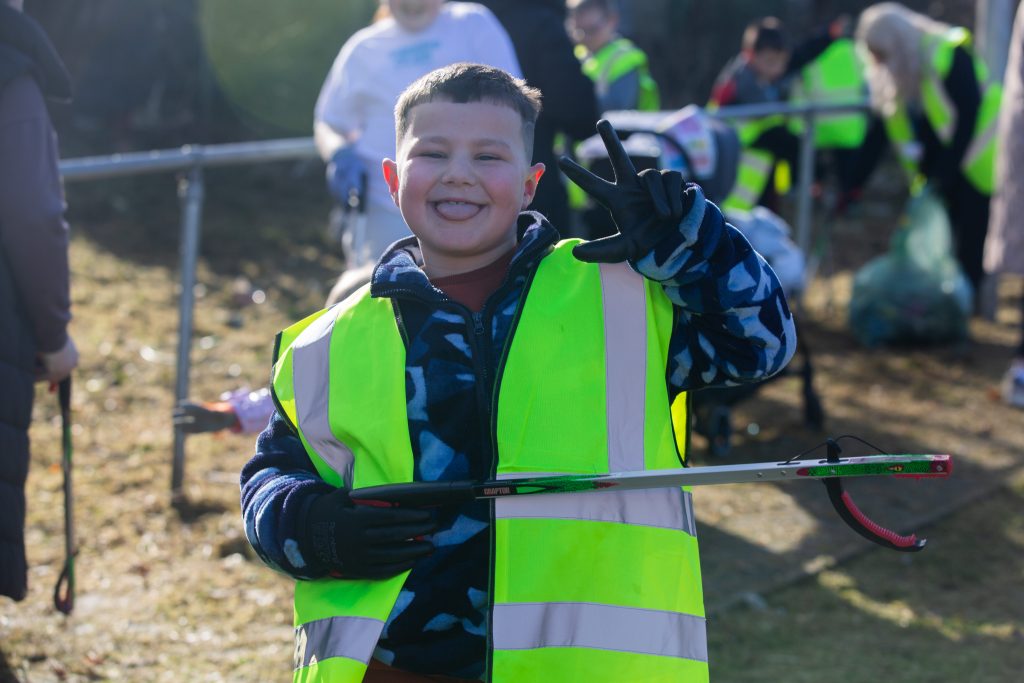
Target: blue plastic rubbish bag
[{"x": 916, "y": 293}]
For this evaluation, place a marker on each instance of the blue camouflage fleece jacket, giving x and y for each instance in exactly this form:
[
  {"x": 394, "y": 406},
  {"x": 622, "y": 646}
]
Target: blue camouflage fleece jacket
[{"x": 732, "y": 326}]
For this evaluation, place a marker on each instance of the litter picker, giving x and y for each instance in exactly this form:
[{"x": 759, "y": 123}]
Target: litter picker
[
  {"x": 830, "y": 470},
  {"x": 64, "y": 591}
]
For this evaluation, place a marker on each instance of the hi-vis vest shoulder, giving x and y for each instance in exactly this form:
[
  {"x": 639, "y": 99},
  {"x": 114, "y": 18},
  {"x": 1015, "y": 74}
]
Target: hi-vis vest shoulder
[
  {"x": 598, "y": 587},
  {"x": 978, "y": 164},
  {"x": 836, "y": 76},
  {"x": 615, "y": 60}
]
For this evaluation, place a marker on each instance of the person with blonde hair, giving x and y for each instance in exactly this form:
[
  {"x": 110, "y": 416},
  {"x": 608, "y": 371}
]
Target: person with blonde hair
[
  {"x": 353, "y": 122},
  {"x": 939, "y": 110},
  {"x": 35, "y": 301}
]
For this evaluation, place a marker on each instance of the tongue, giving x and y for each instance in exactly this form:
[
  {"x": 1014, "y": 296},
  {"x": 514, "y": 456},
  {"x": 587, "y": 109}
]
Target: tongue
[{"x": 454, "y": 211}]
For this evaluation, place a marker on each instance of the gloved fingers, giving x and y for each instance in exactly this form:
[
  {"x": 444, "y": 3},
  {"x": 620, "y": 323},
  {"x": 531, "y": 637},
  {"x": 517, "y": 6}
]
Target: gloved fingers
[
  {"x": 382, "y": 517},
  {"x": 655, "y": 186},
  {"x": 622, "y": 165},
  {"x": 595, "y": 186},
  {"x": 404, "y": 551},
  {"x": 675, "y": 187},
  {"x": 398, "y": 532},
  {"x": 193, "y": 418},
  {"x": 613, "y": 249}
]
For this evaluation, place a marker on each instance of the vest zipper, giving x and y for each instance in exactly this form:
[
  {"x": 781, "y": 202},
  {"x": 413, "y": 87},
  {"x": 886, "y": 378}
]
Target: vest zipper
[{"x": 493, "y": 431}]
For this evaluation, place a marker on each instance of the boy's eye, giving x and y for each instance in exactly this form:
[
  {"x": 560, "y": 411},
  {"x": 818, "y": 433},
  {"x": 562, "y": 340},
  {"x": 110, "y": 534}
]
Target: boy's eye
[
  {"x": 488, "y": 157},
  {"x": 432, "y": 154}
]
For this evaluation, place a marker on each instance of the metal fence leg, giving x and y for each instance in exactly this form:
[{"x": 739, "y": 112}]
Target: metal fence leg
[
  {"x": 803, "y": 207},
  {"x": 190, "y": 191}
]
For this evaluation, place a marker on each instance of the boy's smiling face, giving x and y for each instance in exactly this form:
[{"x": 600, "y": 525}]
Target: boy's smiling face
[{"x": 460, "y": 180}]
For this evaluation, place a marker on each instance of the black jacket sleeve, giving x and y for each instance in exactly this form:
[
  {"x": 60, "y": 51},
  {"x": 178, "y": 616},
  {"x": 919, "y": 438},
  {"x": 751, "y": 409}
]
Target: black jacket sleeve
[
  {"x": 549, "y": 63},
  {"x": 942, "y": 162},
  {"x": 807, "y": 51}
]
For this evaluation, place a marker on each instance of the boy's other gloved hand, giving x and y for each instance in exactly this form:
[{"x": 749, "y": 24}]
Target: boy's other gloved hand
[
  {"x": 346, "y": 175},
  {"x": 644, "y": 206},
  {"x": 361, "y": 542}
]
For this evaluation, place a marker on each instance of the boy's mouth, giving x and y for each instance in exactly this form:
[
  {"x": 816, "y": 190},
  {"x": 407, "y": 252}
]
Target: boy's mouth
[{"x": 456, "y": 210}]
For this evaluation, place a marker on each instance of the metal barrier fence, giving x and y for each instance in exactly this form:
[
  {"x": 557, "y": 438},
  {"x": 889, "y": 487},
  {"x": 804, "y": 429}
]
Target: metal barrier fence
[{"x": 190, "y": 161}]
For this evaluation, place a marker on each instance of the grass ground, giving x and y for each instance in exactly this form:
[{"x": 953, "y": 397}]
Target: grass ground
[{"x": 171, "y": 593}]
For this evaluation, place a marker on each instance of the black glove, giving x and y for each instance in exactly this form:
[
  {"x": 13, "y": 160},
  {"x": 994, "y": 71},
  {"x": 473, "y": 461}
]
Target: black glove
[
  {"x": 644, "y": 206},
  {"x": 362, "y": 542}
]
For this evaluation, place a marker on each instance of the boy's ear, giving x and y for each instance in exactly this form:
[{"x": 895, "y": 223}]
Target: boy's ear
[
  {"x": 390, "y": 169},
  {"x": 533, "y": 175}
]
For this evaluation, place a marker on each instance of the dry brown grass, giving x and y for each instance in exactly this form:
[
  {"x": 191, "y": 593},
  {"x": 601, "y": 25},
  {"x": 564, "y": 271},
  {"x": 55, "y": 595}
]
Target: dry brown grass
[{"x": 173, "y": 594}]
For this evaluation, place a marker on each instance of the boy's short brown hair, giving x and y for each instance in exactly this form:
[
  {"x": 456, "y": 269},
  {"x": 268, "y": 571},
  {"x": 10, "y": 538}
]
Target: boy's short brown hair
[
  {"x": 766, "y": 33},
  {"x": 464, "y": 82}
]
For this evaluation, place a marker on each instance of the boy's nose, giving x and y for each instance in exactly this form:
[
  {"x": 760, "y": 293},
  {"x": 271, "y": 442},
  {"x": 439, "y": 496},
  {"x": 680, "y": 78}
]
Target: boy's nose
[{"x": 459, "y": 171}]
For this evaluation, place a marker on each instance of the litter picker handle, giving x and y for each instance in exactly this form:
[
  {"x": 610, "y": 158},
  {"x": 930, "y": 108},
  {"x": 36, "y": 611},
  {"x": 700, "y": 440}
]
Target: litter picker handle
[
  {"x": 415, "y": 494},
  {"x": 831, "y": 471},
  {"x": 861, "y": 523},
  {"x": 64, "y": 590}
]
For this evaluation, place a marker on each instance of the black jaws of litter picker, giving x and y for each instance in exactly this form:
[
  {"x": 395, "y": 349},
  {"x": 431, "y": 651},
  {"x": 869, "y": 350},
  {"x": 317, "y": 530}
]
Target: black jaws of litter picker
[{"x": 860, "y": 522}]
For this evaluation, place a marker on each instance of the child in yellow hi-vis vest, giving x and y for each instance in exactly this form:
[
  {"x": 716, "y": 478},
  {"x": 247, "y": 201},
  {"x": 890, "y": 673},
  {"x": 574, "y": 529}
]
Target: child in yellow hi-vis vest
[{"x": 485, "y": 347}]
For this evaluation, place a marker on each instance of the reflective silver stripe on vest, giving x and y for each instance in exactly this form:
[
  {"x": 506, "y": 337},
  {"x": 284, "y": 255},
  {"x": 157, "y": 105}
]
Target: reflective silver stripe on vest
[
  {"x": 604, "y": 79},
  {"x": 743, "y": 194},
  {"x": 351, "y": 637},
  {"x": 945, "y": 131},
  {"x": 624, "y": 299},
  {"x": 526, "y": 626},
  {"x": 311, "y": 360},
  {"x": 759, "y": 161},
  {"x": 980, "y": 143},
  {"x": 669, "y": 508}
]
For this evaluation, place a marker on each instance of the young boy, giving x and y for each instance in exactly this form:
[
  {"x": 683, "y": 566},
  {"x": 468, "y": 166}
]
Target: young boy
[
  {"x": 484, "y": 347},
  {"x": 622, "y": 79},
  {"x": 353, "y": 124},
  {"x": 753, "y": 77}
]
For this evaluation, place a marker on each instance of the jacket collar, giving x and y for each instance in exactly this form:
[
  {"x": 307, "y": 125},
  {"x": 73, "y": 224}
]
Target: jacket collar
[
  {"x": 399, "y": 271},
  {"x": 25, "y": 48}
]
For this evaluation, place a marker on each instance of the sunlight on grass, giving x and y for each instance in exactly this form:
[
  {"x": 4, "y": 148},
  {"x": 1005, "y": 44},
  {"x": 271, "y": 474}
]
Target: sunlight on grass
[{"x": 901, "y": 614}]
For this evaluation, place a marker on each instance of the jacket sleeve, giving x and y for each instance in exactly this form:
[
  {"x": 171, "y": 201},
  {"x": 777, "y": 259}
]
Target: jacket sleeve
[
  {"x": 623, "y": 92},
  {"x": 733, "y": 325},
  {"x": 807, "y": 51},
  {"x": 277, "y": 487},
  {"x": 964, "y": 90},
  {"x": 550, "y": 64},
  {"x": 33, "y": 233}
]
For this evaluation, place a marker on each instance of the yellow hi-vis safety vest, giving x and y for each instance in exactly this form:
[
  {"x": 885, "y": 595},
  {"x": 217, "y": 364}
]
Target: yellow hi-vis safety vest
[
  {"x": 836, "y": 76},
  {"x": 600, "y": 587},
  {"x": 754, "y": 169},
  {"x": 978, "y": 164},
  {"x": 615, "y": 60}
]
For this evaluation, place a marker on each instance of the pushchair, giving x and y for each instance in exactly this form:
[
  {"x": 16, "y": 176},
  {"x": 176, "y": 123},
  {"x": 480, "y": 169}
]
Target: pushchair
[{"x": 707, "y": 152}]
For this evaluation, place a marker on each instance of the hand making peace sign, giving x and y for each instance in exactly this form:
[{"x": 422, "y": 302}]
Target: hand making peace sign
[{"x": 644, "y": 206}]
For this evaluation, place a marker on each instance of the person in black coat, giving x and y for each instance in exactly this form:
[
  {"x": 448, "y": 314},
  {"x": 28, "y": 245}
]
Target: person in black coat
[
  {"x": 34, "y": 301},
  {"x": 545, "y": 53}
]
